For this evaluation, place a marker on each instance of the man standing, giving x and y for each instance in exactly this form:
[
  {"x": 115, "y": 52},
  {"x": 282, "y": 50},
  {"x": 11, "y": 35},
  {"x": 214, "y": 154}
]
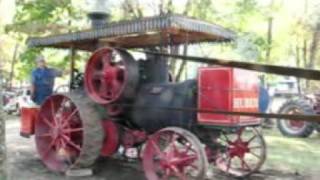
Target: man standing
[
  {"x": 42, "y": 80},
  {"x": 42, "y": 83}
]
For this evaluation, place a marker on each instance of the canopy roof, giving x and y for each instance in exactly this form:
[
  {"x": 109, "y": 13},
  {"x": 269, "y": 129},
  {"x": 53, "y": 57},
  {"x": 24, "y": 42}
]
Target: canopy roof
[{"x": 139, "y": 33}]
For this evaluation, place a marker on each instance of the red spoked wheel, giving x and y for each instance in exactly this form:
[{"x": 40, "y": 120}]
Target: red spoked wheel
[
  {"x": 174, "y": 153},
  {"x": 242, "y": 153},
  {"x": 111, "y": 75},
  {"x": 68, "y": 132}
]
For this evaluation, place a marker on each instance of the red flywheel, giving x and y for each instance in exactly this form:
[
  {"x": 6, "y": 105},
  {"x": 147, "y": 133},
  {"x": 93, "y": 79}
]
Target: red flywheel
[{"x": 111, "y": 75}]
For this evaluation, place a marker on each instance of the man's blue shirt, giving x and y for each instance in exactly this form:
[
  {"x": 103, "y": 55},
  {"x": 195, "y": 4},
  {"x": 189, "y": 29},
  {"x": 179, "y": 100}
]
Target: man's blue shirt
[{"x": 43, "y": 81}]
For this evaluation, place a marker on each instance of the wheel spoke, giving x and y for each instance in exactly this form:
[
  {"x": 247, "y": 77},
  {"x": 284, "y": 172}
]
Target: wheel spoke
[
  {"x": 63, "y": 143},
  {"x": 255, "y": 147},
  {"x": 226, "y": 138},
  {"x": 239, "y": 133},
  {"x": 45, "y": 135},
  {"x": 73, "y": 130},
  {"x": 106, "y": 61},
  {"x": 103, "y": 89},
  {"x": 156, "y": 147},
  {"x": 251, "y": 139},
  {"x": 179, "y": 174},
  {"x": 48, "y": 122},
  {"x": 97, "y": 75},
  {"x": 109, "y": 93},
  {"x": 194, "y": 167},
  {"x": 53, "y": 111},
  {"x": 49, "y": 148},
  {"x": 189, "y": 148},
  {"x": 62, "y": 104},
  {"x": 65, "y": 121},
  {"x": 229, "y": 164},
  {"x": 190, "y": 159},
  {"x": 173, "y": 140},
  {"x": 256, "y": 155},
  {"x": 116, "y": 85},
  {"x": 69, "y": 141},
  {"x": 244, "y": 164}
]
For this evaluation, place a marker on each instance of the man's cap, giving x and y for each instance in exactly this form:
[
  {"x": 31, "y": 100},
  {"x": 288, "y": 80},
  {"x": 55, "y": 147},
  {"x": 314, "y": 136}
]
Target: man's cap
[{"x": 40, "y": 58}]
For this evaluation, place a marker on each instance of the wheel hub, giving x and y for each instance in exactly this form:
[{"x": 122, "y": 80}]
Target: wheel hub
[
  {"x": 238, "y": 148},
  {"x": 296, "y": 124}
]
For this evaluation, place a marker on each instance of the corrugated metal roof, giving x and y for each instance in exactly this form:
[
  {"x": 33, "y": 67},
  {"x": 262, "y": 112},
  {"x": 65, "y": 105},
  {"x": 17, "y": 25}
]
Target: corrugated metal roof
[{"x": 142, "y": 32}]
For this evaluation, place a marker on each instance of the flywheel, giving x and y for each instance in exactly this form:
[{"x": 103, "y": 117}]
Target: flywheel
[
  {"x": 68, "y": 132},
  {"x": 111, "y": 75}
]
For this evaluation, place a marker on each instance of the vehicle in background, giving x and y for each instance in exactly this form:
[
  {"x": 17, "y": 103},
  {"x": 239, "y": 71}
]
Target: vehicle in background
[
  {"x": 14, "y": 103},
  {"x": 286, "y": 99},
  {"x": 284, "y": 88},
  {"x": 62, "y": 89}
]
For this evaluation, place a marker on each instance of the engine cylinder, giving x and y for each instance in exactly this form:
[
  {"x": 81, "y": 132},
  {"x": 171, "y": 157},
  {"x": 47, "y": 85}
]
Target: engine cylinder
[{"x": 148, "y": 112}]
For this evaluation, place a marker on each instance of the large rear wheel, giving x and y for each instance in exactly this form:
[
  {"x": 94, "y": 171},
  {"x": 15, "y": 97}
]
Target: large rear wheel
[
  {"x": 293, "y": 128},
  {"x": 68, "y": 132}
]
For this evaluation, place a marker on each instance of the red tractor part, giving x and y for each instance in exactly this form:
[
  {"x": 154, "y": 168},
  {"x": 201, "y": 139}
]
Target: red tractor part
[
  {"x": 67, "y": 132},
  {"x": 111, "y": 138},
  {"x": 111, "y": 75},
  {"x": 114, "y": 110},
  {"x": 242, "y": 153},
  {"x": 28, "y": 118},
  {"x": 174, "y": 153},
  {"x": 296, "y": 128}
]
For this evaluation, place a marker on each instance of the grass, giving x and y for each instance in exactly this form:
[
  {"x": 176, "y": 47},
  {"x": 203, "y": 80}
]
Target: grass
[{"x": 299, "y": 155}]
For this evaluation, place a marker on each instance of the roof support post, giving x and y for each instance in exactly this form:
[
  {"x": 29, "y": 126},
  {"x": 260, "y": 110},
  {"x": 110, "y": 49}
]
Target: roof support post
[{"x": 72, "y": 65}]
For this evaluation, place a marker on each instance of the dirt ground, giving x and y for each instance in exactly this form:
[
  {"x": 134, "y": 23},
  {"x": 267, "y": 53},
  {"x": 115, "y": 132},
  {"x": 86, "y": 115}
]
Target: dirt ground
[{"x": 24, "y": 164}]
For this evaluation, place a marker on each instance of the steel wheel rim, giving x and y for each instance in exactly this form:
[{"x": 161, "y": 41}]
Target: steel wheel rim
[
  {"x": 59, "y": 133},
  {"x": 291, "y": 125},
  {"x": 170, "y": 154},
  {"x": 241, "y": 157},
  {"x": 104, "y": 79}
]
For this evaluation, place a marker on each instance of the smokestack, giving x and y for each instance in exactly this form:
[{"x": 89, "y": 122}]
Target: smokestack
[{"x": 98, "y": 12}]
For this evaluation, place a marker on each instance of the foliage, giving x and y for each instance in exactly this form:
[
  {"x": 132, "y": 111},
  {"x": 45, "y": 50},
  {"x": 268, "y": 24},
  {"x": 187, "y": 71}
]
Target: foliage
[
  {"x": 42, "y": 17},
  {"x": 294, "y": 26}
]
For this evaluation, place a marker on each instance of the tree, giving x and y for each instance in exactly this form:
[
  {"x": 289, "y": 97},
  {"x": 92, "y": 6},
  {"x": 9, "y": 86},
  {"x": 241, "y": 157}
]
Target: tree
[{"x": 41, "y": 17}]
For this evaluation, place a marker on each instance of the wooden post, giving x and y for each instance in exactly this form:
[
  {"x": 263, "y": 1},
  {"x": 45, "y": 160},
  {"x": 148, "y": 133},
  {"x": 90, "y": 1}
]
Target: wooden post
[{"x": 72, "y": 65}]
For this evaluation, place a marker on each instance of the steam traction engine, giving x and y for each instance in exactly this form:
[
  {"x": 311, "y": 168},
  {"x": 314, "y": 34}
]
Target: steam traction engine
[{"x": 129, "y": 106}]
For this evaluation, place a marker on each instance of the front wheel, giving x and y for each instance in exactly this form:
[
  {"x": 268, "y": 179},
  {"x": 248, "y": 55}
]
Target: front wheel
[
  {"x": 241, "y": 153},
  {"x": 174, "y": 153},
  {"x": 293, "y": 128}
]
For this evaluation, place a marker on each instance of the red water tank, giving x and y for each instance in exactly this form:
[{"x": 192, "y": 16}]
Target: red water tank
[{"x": 227, "y": 89}]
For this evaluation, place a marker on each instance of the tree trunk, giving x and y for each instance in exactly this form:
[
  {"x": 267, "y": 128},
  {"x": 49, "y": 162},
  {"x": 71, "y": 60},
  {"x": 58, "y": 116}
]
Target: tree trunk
[
  {"x": 13, "y": 62},
  {"x": 3, "y": 154},
  {"x": 314, "y": 46},
  {"x": 269, "y": 39},
  {"x": 313, "y": 49},
  {"x": 298, "y": 59},
  {"x": 269, "y": 34}
]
